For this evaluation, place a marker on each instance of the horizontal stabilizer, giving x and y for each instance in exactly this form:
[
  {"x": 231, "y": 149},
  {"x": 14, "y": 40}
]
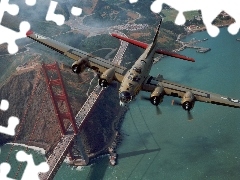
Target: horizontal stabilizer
[
  {"x": 176, "y": 55},
  {"x": 145, "y": 45},
  {"x": 131, "y": 41}
]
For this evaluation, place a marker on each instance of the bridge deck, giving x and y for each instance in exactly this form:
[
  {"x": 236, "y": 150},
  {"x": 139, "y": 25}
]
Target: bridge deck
[{"x": 60, "y": 151}]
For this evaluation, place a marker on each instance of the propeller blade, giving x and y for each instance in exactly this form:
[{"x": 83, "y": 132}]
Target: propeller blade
[
  {"x": 178, "y": 103},
  {"x": 190, "y": 117},
  {"x": 158, "y": 110},
  {"x": 145, "y": 98}
]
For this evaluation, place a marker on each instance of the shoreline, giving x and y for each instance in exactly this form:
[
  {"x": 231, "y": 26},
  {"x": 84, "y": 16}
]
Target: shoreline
[
  {"x": 181, "y": 36},
  {"x": 37, "y": 149}
]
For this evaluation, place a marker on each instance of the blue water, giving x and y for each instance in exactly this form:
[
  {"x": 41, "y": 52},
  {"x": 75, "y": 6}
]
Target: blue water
[{"x": 168, "y": 146}]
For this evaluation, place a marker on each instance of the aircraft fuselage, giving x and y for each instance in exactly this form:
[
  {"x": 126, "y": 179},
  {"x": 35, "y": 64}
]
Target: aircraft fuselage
[{"x": 133, "y": 79}]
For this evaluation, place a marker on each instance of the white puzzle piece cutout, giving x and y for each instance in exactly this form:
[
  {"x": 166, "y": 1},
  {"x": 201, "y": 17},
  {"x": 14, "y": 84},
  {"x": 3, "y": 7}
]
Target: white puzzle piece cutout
[
  {"x": 12, "y": 121},
  {"x": 31, "y": 171},
  {"x": 76, "y": 11},
  {"x": 4, "y": 170},
  {"x": 51, "y": 16},
  {"x": 8, "y": 35},
  {"x": 4, "y": 105},
  {"x": 210, "y": 10},
  {"x": 30, "y": 2}
]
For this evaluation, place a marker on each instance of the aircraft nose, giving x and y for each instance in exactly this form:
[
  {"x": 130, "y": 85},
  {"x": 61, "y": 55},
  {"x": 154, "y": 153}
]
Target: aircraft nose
[{"x": 125, "y": 96}]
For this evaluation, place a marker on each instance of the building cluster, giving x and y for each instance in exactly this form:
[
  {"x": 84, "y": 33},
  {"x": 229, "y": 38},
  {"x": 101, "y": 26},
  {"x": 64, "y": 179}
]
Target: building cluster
[
  {"x": 25, "y": 66},
  {"x": 224, "y": 14},
  {"x": 191, "y": 28},
  {"x": 130, "y": 27}
]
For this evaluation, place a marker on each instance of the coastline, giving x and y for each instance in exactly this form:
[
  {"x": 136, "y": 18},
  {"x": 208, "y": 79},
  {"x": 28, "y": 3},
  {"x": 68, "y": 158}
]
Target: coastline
[
  {"x": 181, "y": 36},
  {"x": 115, "y": 139},
  {"x": 37, "y": 149}
]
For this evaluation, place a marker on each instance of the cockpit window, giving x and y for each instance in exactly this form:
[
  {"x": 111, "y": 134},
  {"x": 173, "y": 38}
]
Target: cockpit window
[
  {"x": 132, "y": 77},
  {"x": 143, "y": 62},
  {"x": 136, "y": 78},
  {"x": 138, "y": 70}
]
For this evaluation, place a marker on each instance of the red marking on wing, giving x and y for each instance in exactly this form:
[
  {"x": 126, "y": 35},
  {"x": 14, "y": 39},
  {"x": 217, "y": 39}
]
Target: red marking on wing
[{"x": 29, "y": 33}]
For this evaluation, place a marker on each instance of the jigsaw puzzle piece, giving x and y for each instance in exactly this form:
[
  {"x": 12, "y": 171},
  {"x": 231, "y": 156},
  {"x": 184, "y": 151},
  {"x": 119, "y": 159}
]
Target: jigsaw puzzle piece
[
  {"x": 9, "y": 36},
  {"x": 31, "y": 169},
  {"x": 12, "y": 121},
  {"x": 180, "y": 6},
  {"x": 4, "y": 170},
  {"x": 208, "y": 17},
  {"x": 51, "y": 16},
  {"x": 12, "y": 9},
  {"x": 232, "y": 9}
]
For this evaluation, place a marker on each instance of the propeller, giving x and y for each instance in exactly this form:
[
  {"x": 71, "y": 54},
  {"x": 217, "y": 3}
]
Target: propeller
[
  {"x": 103, "y": 83},
  {"x": 190, "y": 117},
  {"x": 158, "y": 110},
  {"x": 189, "y": 114}
]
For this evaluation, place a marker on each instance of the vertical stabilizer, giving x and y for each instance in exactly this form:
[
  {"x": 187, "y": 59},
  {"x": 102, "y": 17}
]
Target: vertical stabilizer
[
  {"x": 153, "y": 44},
  {"x": 157, "y": 33}
]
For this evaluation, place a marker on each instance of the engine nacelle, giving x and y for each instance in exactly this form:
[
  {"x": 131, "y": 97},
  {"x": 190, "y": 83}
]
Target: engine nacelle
[
  {"x": 107, "y": 77},
  {"x": 188, "y": 101},
  {"x": 80, "y": 65},
  {"x": 157, "y": 95}
]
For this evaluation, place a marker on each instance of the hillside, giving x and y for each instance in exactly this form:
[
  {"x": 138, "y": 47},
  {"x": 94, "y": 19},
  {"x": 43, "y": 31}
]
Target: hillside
[{"x": 29, "y": 100}]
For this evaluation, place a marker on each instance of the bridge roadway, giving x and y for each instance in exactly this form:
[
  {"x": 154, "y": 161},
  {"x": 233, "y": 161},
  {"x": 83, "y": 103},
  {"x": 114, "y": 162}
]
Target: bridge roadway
[
  {"x": 60, "y": 151},
  {"x": 119, "y": 55}
]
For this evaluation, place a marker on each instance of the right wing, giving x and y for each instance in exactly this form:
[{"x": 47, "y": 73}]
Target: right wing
[
  {"x": 178, "y": 90},
  {"x": 98, "y": 64}
]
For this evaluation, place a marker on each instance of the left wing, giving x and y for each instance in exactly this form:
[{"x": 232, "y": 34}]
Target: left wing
[
  {"x": 178, "y": 90},
  {"x": 98, "y": 64},
  {"x": 145, "y": 45}
]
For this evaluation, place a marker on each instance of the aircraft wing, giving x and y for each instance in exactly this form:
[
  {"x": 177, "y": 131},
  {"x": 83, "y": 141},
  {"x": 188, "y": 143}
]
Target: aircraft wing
[
  {"x": 145, "y": 45},
  {"x": 98, "y": 64},
  {"x": 178, "y": 90}
]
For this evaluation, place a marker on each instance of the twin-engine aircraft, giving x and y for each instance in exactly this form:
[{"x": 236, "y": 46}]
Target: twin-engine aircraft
[{"x": 137, "y": 78}]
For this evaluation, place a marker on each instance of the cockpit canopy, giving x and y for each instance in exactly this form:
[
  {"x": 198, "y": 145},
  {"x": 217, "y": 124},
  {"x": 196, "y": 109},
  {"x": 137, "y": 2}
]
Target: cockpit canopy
[
  {"x": 137, "y": 69},
  {"x": 133, "y": 77}
]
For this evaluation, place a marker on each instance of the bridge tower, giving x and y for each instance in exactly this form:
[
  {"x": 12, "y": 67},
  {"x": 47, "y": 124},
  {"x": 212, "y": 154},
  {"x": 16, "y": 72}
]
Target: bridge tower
[{"x": 63, "y": 110}]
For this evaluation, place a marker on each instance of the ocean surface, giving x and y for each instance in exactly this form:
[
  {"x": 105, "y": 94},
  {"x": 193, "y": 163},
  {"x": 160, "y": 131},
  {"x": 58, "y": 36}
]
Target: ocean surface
[{"x": 168, "y": 146}]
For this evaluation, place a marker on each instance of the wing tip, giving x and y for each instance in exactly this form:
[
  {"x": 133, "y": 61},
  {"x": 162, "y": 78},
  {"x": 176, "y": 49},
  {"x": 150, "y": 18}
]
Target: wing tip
[
  {"x": 29, "y": 33},
  {"x": 191, "y": 59}
]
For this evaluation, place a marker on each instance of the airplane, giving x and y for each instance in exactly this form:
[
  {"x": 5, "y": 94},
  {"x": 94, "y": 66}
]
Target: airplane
[{"x": 137, "y": 78}]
